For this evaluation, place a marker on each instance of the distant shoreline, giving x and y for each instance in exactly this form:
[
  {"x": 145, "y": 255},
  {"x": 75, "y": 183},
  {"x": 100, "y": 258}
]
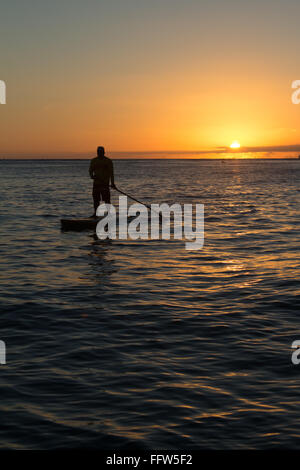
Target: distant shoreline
[{"x": 143, "y": 158}]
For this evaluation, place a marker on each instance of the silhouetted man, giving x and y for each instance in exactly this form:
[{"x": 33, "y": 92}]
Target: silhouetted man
[{"x": 102, "y": 172}]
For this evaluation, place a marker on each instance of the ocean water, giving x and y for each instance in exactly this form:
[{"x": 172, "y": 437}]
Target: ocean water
[{"x": 142, "y": 343}]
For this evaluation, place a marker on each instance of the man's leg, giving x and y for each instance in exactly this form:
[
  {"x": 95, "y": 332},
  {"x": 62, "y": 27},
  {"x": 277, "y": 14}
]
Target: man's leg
[
  {"x": 105, "y": 194},
  {"x": 96, "y": 196}
]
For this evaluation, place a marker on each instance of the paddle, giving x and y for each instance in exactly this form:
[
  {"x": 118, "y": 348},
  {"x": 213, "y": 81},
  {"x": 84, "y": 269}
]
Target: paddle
[
  {"x": 136, "y": 200},
  {"x": 133, "y": 198}
]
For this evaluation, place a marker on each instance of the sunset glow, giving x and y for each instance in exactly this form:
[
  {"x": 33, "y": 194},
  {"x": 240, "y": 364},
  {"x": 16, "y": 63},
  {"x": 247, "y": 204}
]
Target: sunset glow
[
  {"x": 235, "y": 145},
  {"x": 190, "y": 88}
]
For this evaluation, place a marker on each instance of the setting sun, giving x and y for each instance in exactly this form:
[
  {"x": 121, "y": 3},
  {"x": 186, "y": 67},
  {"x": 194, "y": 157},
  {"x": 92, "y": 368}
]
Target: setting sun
[{"x": 235, "y": 145}]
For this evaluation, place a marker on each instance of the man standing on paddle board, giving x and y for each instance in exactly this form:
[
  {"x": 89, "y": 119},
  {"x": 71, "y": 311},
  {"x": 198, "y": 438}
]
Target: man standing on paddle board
[{"x": 102, "y": 172}]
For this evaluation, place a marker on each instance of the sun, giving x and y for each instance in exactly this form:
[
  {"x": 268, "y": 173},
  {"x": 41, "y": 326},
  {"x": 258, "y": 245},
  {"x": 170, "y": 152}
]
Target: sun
[{"x": 235, "y": 145}]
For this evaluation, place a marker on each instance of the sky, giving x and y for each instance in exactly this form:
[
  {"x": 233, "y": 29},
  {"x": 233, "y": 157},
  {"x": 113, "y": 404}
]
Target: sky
[{"x": 149, "y": 78}]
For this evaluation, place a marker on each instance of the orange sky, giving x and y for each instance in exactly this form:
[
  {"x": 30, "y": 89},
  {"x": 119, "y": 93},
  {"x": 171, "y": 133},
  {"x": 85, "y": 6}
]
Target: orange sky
[{"x": 163, "y": 77}]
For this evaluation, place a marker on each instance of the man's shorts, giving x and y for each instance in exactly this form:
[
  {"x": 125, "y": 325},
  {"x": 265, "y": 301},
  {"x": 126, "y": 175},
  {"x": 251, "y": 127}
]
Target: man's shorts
[{"x": 101, "y": 193}]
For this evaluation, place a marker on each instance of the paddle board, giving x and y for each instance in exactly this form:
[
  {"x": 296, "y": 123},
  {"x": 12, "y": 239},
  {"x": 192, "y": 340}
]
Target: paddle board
[
  {"x": 79, "y": 224},
  {"x": 89, "y": 223}
]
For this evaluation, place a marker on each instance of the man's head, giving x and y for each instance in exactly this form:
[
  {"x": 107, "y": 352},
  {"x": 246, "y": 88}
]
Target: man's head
[{"x": 100, "y": 152}]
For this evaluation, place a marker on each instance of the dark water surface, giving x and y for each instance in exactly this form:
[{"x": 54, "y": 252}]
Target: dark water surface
[{"x": 144, "y": 342}]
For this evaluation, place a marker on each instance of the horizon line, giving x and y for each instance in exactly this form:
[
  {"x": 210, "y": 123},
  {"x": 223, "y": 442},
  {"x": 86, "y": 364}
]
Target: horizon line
[{"x": 268, "y": 152}]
